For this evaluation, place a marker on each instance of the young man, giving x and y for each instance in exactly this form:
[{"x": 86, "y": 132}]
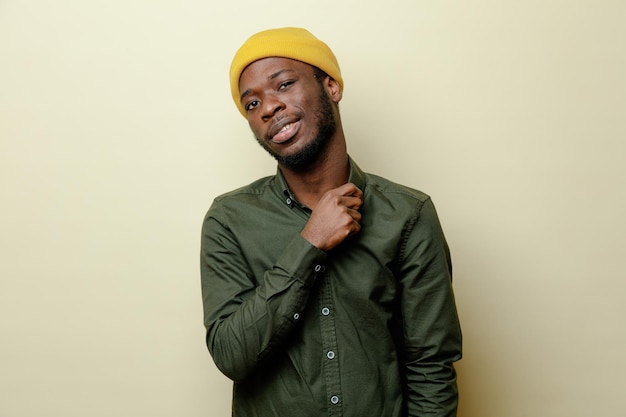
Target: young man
[{"x": 327, "y": 291}]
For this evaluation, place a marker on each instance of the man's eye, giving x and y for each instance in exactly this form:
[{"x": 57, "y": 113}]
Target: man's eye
[
  {"x": 251, "y": 105},
  {"x": 285, "y": 85}
]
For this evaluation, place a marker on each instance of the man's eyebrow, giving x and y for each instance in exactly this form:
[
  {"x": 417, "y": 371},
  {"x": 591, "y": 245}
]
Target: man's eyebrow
[
  {"x": 244, "y": 94},
  {"x": 271, "y": 77},
  {"x": 277, "y": 73}
]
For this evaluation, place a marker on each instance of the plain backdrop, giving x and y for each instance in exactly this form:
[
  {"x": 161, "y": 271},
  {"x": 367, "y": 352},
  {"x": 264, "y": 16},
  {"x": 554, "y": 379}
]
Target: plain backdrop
[{"x": 117, "y": 131}]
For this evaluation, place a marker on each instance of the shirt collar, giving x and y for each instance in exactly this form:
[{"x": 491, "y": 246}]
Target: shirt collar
[{"x": 357, "y": 177}]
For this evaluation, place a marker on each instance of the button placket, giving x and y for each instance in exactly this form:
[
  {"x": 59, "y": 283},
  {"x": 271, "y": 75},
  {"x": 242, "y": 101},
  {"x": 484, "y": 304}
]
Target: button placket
[{"x": 330, "y": 364}]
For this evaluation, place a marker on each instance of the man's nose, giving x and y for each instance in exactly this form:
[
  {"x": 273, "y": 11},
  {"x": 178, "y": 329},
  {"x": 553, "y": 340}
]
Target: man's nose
[{"x": 271, "y": 106}]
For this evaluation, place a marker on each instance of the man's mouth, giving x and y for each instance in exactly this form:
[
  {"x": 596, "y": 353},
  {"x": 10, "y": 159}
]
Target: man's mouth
[{"x": 285, "y": 132}]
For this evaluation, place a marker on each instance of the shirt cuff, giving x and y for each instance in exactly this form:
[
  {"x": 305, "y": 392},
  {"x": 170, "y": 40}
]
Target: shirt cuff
[{"x": 302, "y": 260}]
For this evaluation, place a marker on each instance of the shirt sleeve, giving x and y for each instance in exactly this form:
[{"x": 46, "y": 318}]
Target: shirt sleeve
[
  {"x": 247, "y": 316},
  {"x": 430, "y": 325}
]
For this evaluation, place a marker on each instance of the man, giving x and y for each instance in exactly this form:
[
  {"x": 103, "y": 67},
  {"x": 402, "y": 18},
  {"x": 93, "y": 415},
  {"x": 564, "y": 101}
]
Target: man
[{"x": 327, "y": 291}]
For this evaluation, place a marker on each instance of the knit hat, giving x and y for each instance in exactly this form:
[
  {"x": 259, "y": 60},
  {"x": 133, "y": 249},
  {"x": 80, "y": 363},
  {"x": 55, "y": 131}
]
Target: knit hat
[{"x": 294, "y": 43}]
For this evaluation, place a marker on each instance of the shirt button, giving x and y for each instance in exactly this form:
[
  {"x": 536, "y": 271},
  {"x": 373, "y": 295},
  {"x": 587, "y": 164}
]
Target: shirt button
[
  {"x": 288, "y": 201},
  {"x": 296, "y": 316},
  {"x": 326, "y": 311},
  {"x": 330, "y": 354},
  {"x": 334, "y": 399},
  {"x": 320, "y": 268}
]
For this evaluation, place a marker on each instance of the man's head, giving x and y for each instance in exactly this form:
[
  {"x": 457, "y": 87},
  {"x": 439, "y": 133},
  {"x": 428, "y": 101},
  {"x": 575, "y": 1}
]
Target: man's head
[
  {"x": 293, "y": 43},
  {"x": 290, "y": 104}
]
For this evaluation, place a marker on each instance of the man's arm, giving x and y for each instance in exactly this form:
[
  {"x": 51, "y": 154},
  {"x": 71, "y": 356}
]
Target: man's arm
[
  {"x": 246, "y": 317},
  {"x": 246, "y": 320},
  {"x": 432, "y": 333}
]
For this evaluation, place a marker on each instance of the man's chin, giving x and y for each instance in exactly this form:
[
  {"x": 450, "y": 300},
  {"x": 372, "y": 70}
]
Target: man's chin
[{"x": 303, "y": 160}]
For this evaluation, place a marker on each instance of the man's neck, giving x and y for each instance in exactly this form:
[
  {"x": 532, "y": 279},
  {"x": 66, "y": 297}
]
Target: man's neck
[{"x": 330, "y": 172}]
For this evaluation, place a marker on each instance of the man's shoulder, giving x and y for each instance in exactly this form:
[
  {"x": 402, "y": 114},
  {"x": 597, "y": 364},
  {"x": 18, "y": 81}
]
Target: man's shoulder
[
  {"x": 252, "y": 189},
  {"x": 391, "y": 189},
  {"x": 244, "y": 198}
]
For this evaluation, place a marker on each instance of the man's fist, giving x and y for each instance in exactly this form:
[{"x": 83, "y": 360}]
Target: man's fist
[{"x": 335, "y": 217}]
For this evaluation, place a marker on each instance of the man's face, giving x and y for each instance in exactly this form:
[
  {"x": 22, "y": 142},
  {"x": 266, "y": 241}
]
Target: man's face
[{"x": 289, "y": 111}]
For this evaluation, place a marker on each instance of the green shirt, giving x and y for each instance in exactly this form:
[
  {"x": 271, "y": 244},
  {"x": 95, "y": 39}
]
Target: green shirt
[{"x": 368, "y": 329}]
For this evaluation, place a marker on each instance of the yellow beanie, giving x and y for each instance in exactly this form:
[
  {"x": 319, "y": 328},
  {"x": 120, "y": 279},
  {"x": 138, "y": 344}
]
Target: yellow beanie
[{"x": 294, "y": 43}]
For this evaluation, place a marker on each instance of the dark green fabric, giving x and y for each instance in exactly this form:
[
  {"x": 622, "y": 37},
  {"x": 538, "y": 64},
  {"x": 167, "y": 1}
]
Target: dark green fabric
[{"x": 369, "y": 329}]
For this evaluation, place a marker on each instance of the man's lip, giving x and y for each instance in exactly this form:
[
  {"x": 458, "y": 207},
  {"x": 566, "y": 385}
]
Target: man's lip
[
  {"x": 287, "y": 133},
  {"x": 280, "y": 125}
]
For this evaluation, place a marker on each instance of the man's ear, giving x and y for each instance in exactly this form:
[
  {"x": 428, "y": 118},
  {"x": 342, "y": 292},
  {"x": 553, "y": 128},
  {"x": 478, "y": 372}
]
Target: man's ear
[{"x": 333, "y": 89}]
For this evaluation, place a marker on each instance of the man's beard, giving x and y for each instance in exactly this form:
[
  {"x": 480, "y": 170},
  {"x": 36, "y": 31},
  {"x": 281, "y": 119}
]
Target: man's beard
[{"x": 316, "y": 149}]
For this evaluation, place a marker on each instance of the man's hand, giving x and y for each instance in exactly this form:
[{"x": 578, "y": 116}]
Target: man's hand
[{"x": 335, "y": 217}]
